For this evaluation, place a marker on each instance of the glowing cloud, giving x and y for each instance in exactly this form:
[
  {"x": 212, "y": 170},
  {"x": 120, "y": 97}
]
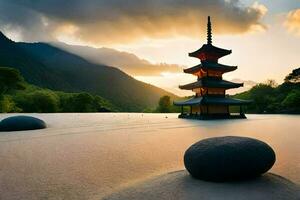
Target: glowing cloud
[
  {"x": 127, "y": 62},
  {"x": 292, "y": 21},
  {"x": 100, "y": 22}
]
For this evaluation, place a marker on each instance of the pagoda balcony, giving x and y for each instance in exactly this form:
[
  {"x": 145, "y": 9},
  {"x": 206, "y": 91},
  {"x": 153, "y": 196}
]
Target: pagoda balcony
[
  {"x": 205, "y": 66},
  {"x": 210, "y": 82},
  {"x": 209, "y": 100},
  {"x": 209, "y": 52}
]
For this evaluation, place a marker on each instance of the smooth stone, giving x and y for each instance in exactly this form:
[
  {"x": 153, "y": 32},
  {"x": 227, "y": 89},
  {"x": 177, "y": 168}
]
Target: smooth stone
[
  {"x": 180, "y": 186},
  {"x": 21, "y": 123},
  {"x": 228, "y": 158}
]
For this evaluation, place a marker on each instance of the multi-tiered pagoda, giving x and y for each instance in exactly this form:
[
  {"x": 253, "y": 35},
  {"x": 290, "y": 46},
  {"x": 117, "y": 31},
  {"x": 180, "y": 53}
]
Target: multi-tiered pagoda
[{"x": 210, "y": 101}]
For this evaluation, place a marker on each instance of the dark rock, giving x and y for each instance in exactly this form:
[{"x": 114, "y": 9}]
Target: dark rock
[
  {"x": 228, "y": 158},
  {"x": 21, "y": 123}
]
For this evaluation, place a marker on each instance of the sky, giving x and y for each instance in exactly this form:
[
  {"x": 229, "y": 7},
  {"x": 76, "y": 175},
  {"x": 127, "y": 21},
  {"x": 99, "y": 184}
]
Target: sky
[{"x": 264, "y": 35}]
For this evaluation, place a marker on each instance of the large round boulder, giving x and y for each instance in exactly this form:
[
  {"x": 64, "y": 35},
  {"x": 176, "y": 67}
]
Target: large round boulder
[
  {"x": 228, "y": 158},
  {"x": 21, "y": 123}
]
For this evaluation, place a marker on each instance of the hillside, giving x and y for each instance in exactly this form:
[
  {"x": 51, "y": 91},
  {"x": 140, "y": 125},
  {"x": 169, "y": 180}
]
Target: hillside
[
  {"x": 18, "y": 96},
  {"x": 46, "y": 66}
]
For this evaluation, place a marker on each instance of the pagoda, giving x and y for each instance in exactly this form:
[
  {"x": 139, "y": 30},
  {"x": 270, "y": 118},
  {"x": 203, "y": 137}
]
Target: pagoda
[{"x": 210, "y": 100}]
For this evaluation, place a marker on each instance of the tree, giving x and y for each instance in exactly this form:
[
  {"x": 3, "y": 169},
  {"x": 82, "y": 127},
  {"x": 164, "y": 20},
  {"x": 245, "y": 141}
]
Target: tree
[
  {"x": 263, "y": 97},
  {"x": 10, "y": 79},
  {"x": 7, "y": 105},
  {"x": 78, "y": 102},
  {"x": 164, "y": 104},
  {"x": 84, "y": 103},
  {"x": 102, "y": 105},
  {"x": 293, "y": 77},
  {"x": 40, "y": 101},
  {"x": 292, "y": 101}
]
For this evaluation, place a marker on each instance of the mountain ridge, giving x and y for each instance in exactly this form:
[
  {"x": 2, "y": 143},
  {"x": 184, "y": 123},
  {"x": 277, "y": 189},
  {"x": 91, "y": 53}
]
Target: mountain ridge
[
  {"x": 125, "y": 61},
  {"x": 47, "y": 66}
]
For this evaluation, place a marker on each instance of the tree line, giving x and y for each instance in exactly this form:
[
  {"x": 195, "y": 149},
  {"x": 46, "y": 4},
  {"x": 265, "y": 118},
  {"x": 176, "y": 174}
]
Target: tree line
[
  {"x": 18, "y": 96},
  {"x": 272, "y": 98}
]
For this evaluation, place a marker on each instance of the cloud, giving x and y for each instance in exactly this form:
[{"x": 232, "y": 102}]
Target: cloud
[
  {"x": 292, "y": 21},
  {"x": 248, "y": 84},
  {"x": 118, "y": 21},
  {"x": 24, "y": 22},
  {"x": 127, "y": 62}
]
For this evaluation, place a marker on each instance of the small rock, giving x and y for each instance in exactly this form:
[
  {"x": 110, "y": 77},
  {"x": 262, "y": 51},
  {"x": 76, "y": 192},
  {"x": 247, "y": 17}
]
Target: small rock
[
  {"x": 228, "y": 158},
  {"x": 21, "y": 123}
]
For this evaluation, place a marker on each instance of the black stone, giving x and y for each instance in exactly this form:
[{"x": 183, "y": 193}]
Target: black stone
[
  {"x": 21, "y": 123},
  {"x": 228, "y": 158}
]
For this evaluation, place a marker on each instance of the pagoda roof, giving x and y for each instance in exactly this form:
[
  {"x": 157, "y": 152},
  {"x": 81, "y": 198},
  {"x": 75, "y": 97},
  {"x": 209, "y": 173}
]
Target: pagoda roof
[
  {"x": 210, "y": 66},
  {"x": 212, "y": 101},
  {"x": 209, "y": 48},
  {"x": 211, "y": 83}
]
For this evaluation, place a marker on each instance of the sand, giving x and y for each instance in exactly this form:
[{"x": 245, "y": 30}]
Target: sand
[
  {"x": 89, "y": 156},
  {"x": 180, "y": 186}
]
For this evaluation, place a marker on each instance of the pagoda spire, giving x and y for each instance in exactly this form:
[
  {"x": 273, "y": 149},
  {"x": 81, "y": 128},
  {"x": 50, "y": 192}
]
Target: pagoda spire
[{"x": 209, "y": 34}]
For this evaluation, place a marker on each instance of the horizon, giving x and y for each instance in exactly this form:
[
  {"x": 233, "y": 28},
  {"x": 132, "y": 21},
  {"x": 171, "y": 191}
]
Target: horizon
[{"x": 264, "y": 38}]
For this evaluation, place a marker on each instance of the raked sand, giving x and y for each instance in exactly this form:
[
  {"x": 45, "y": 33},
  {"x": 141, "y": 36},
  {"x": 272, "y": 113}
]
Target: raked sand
[
  {"x": 90, "y": 156},
  {"x": 180, "y": 186}
]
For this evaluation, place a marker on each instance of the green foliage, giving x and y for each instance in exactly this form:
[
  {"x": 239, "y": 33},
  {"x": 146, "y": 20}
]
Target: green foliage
[
  {"x": 83, "y": 102},
  {"x": 149, "y": 110},
  {"x": 38, "y": 100},
  {"x": 46, "y": 101},
  {"x": 292, "y": 101},
  {"x": 10, "y": 79},
  {"x": 164, "y": 104},
  {"x": 7, "y": 105},
  {"x": 272, "y": 98},
  {"x": 293, "y": 77},
  {"x": 263, "y": 96}
]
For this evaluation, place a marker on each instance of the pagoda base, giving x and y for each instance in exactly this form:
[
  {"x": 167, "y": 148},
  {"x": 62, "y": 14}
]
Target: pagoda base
[{"x": 212, "y": 116}]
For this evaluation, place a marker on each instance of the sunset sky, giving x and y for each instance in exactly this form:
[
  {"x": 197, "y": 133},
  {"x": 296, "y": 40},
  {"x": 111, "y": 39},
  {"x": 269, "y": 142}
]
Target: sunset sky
[{"x": 263, "y": 35}]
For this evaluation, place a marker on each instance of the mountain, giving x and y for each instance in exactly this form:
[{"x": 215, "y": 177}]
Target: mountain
[
  {"x": 47, "y": 66},
  {"x": 127, "y": 62},
  {"x": 11, "y": 55}
]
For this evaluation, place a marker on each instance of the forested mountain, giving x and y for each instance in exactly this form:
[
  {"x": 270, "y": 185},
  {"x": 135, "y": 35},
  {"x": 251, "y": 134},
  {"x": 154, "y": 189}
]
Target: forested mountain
[{"x": 50, "y": 67}]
